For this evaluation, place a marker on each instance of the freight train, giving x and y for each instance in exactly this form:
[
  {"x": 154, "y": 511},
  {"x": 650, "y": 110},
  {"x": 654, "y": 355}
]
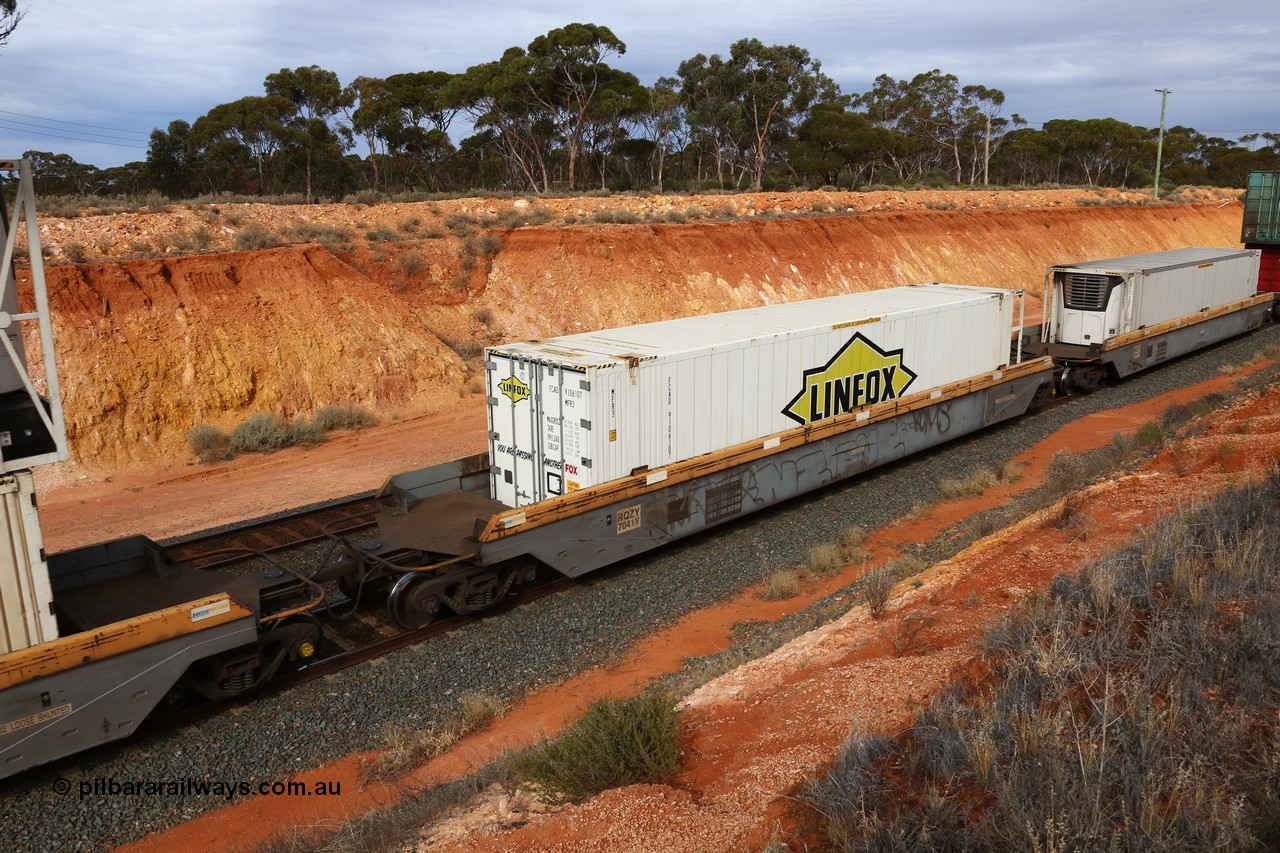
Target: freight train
[{"x": 602, "y": 446}]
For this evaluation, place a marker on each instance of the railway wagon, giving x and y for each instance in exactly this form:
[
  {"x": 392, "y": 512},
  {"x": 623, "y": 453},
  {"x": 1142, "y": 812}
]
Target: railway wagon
[
  {"x": 707, "y": 418},
  {"x": 1117, "y": 316},
  {"x": 92, "y": 640}
]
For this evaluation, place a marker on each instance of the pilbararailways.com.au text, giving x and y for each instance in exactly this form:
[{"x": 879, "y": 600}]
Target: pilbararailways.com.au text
[{"x": 226, "y": 789}]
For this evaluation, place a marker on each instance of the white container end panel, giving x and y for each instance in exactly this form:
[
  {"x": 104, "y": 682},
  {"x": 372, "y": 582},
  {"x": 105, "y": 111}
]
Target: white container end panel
[
  {"x": 648, "y": 396},
  {"x": 26, "y": 598}
]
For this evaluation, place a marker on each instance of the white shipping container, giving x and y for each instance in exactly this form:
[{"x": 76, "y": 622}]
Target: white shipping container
[
  {"x": 26, "y": 598},
  {"x": 1098, "y": 300},
  {"x": 580, "y": 410}
]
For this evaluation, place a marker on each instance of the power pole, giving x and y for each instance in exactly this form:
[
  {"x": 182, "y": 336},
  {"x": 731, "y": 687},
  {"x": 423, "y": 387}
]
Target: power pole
[{"x": 1164, "y": 100}]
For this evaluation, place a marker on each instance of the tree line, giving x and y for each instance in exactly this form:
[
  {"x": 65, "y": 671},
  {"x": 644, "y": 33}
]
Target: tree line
[{"x": 556, "y": 116}]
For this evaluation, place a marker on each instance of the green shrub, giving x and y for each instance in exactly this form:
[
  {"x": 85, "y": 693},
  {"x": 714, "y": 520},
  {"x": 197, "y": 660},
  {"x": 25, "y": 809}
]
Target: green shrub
[
  {"x": 209, "y": 443},
  {"x": 617, "y": 742},
  {"x": 1150, "y": 435},
  {"x": 346, "y": 416}
]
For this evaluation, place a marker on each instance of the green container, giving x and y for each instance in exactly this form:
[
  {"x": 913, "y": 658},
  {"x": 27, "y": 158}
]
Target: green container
[{"x": 1262, "y": 209}]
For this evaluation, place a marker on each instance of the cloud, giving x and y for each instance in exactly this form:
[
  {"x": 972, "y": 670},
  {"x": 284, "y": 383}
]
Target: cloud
[{"x": 138, "y": 64}]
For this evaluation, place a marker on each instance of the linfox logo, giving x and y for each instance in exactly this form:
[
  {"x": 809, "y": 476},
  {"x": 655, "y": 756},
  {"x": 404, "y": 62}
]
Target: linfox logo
[
  {"x": 514, "y": 388},
  {"x": 859, "y": 374}
]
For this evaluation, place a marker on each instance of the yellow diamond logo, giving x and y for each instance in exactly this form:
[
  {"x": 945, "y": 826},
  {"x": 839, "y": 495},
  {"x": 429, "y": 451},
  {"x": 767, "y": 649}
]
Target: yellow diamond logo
[
  {"x": 514, "y": 388},
  {"x": 859, "y": 374}
]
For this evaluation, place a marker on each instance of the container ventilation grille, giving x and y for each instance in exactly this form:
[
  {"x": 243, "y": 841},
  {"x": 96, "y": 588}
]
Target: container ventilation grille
[{"x": 1086, "y": 292}]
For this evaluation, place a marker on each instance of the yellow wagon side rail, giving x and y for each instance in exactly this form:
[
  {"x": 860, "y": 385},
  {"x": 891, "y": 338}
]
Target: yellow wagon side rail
[{"x": 119, "y": 637}]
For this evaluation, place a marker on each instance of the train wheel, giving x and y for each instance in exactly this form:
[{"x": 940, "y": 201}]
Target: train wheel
[
  {"x": 1087, "y": 378},
  {"x": 413, "y": 602}
]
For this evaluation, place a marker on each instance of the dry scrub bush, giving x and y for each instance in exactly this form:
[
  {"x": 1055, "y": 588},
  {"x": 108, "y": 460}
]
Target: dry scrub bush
[
  {"x": 781, "y": 585},
  {"x": 407, "y": 747},
  {"x": 851, "y": 540},
  {"x": 266, "y": 433},
  {"x": 306, "y": 231},
  {"x": 1133, "y": 706},
  {"x": 824, "y": 559},
  {"x": 975, "y": 484},
  {"x": 209, "y": 443},
  {"x": 255, "y": 237},
  {"x": 876, "y": 587},
  {"x": 346, "y": 416},
  {"x": 73, "y": 252}
]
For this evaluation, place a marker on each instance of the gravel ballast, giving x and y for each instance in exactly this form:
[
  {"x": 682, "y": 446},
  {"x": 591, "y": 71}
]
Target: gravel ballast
[{"x": 542, "y": 643}]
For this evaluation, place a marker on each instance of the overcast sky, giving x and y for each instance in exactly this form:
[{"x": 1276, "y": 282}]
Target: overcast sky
[{"x": 92, "y": 79}]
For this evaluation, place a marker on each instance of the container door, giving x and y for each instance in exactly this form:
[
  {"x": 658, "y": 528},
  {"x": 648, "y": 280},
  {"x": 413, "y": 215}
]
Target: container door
[
  {"x": 550, "y": 405},
  {"x": 577, "y": 423},
  {"x": 512, "y": 430}
]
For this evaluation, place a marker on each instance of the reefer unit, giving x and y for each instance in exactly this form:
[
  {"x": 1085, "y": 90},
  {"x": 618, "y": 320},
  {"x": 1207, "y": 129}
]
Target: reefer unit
[
  {"x": 580, "y": 410},
  {"x": 1098, "y": 300}
]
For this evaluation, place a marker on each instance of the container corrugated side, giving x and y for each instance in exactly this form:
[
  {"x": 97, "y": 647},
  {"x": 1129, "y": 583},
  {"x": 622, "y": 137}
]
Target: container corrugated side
[
  {"x": 1215, "y": 279},
  {"x": 1152, "y": 288},
  {"x": 26, "y": 613},
  {"x": 1261, "y": 222},
  {"x": 580, "y": 410}
]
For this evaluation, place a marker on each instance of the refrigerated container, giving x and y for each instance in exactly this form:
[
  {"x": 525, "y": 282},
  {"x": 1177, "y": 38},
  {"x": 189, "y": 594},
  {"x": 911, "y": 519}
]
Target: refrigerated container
[
  {"x": 1096, "y": 301},
  {"x": 580, "y": 410}
]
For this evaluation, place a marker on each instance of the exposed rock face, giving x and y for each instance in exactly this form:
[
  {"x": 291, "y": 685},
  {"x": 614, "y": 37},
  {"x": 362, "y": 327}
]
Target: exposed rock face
[{"x": 150, "y": 347}]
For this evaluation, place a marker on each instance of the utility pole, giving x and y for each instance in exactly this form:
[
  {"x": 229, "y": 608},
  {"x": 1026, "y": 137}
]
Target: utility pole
[{"x": 1164, "y": 100}]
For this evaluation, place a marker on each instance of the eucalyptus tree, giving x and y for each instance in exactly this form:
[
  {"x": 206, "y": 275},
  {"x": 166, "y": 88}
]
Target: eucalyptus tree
[
  {"x": 171, "y": 160},
  {"x": 832, "y": 141},
  {"x": 1104, "y": 150},
  {"x": 414, "y": 119},
  {"x": 317, "y": 96},
  {"x": 10, "y": 17},
  {"x": 663, "y": 123},
  {"x": 983, "y": 128},
  {"x": 779, "y": 83},
  {"x": 615, "y": 110},
  {"x": 368, "y": 105},
  {"x": 946, "y": 124},
  {"x": 712, "y": 99},
  {"x": 497, "y": 97},
  {"x": 60, "y": 174},
  {"x": 245, "y": 135},
  {"x": 567, "y": 74}
]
